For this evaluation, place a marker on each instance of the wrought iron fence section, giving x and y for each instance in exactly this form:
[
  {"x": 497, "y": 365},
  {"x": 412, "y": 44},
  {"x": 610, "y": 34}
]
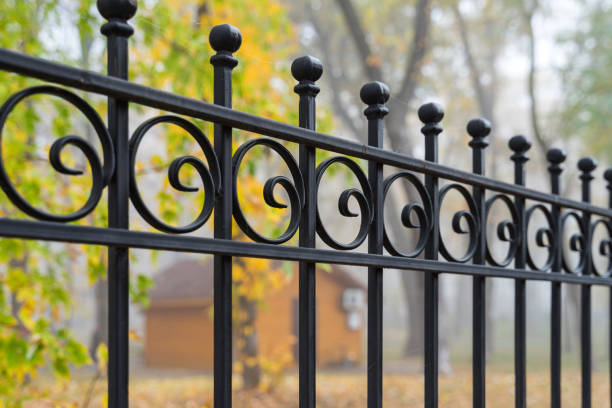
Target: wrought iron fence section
[{"x": 219, "y": 174}]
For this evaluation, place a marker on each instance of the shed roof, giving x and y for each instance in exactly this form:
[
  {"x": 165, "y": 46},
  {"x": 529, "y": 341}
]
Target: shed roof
[{"x": 193, "y": 279}]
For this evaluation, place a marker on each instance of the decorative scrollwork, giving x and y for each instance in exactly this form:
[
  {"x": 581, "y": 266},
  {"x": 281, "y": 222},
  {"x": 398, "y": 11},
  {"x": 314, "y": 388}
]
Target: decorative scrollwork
[
  {"x": 210, "y": 178},
  {"x": 101, "y": 174},
  {"x": 577, "y": 243},
  {"x": 423, "y": 211},
  {"x": 545, "y": 238},
  {"x": 363, "y": 197},
  {"x": 605, "y": 246},
  {"x": 471, "y": 217},
  {"x": 507, "y": 230},
  {"x": 294, "y": 190}
]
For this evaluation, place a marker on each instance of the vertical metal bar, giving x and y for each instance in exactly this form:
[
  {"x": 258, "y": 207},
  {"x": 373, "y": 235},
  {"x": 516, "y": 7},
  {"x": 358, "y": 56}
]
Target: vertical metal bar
[
  {"x": 520, "y": 145},
  {"x": 225, "y": 39},
  {"x": 431, "y": 114},
  {"x": 555, "y": 157},
  {"x": 375, "y": 95},
  {"x": 479, "y": 129},
  {"x": 608, "y": 177},
  {"x": 586, "y": 166},
  {"x": 307, "y": 70},
  {"x": 117, "y": 31}
]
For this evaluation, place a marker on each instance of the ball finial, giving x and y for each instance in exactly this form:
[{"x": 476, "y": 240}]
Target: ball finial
[
  {"x": 374, "y": 93},
  {"x": 519, "y": 144},
  {"x": 556, "y": 155},
  {"x": 117, "y": 9},
  {"x": 307, "y": 68},
  {"x": 587, "y": 164},
  {"x": 608, "y": 175},
  {"x": 479, "y": 128},
  {"x": 431, "y": 113},
  {"x": 225, "y": 37}
]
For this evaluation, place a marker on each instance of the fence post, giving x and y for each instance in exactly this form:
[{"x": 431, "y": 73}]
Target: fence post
[
  {"x": 479, "y": 129},
  {"x": 586, "y": 166},
  {"x": 520, "y": 145},
  {"x": 117, "y": 31},
  {"x": 375, "y": 95},
  {"x": 431, "y": 114},
  {"x": 307, "y": 70},
  {"x": 225, "y": 39},
  {"x": 608, "y": 178},
  {"x": 555, "y": 157}
]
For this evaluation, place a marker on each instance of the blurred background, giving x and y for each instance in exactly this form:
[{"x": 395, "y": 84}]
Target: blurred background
[{"x": 533, "y": 67}]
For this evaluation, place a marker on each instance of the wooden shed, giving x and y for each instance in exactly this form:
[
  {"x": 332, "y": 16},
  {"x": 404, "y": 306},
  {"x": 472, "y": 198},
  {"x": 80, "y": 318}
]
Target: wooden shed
[{"x": 179, "y": 325}]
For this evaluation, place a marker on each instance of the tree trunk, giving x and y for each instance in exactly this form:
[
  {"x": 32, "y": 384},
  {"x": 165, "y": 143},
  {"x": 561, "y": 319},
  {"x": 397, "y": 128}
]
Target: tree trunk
[
  {"x": 248, "y": 343},
  {"x": 100, "y": 334},
  {"x": 413, "y": 284}
]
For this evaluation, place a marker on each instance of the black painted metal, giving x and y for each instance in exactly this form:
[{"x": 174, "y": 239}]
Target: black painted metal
[
  {"x": 50, "y": 231},
  {"x": 90, "y": 81},
  {"x": 307, "y": 70},
  {"x": 608, "y": 177},
  {"x": 219, "y": 175},
  {"x": 479, "y": 129},
  {"x": 520, "y": 145},
  {"x": 555, "y": 158},
  {"x": 586, "y": 166},
  {"x": 431, "y": 114},
  {"x": 225, "y": 39},
  {"x": 375, "y": 95},
  {"x": 118, "y": 31}
]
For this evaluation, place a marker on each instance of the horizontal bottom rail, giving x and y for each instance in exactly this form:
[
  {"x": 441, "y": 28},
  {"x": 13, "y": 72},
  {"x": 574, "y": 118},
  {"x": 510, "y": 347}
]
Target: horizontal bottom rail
[{"x": 77, "y": 234}]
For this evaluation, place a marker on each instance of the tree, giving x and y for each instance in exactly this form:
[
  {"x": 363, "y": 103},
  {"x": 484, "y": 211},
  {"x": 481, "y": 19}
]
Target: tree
[
  {"x": 253, "y": 280},
  {"x": 587, "y": 102},
  {"x": 362, "y": 52},
  {"x": 170, "y": 51}
]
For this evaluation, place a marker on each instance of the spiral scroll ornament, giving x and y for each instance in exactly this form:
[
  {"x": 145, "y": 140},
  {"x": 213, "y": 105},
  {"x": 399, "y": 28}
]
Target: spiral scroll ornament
[
  {"x": 101, "y": 174},
  {"x": 363, "y": 197},
  {"x": 604, "y": 247},
  {"x": 423, "y": 212},
  {"x": 576, "y": 242},
  {"x": 210, "y": 175},
  {"x": 506, "y": 230},
  {"x": 295, "y": 191},
  {"x": 545, "y": 238},
  {"x": 470, "y": 217}
]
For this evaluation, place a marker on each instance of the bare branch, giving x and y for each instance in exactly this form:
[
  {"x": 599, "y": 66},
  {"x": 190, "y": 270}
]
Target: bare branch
[
  {"x": 542, "y": 142},
  {"x": 475, "y": 74},
  {"x": 338, "y": 106},
  {"x": 358, "y": 35},
  {"x": 420, "y": 44}
]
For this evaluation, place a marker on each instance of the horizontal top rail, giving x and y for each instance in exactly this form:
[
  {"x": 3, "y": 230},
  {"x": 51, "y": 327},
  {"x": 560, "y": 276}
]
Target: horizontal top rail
[{"x": 125, "y": 90}]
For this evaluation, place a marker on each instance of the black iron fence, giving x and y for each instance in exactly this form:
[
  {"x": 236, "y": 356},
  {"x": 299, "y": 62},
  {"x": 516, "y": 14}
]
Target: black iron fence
[{"x": 219, "y": 178}]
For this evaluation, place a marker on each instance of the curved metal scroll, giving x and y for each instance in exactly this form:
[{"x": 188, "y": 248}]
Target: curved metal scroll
[
  {"x": 576, "y": 242},
  {"x": 605, "y": 246},
  {"x": 507, "y": 230},
  {"x": 422, "y": 211},
  {"x": 101, "y": 174},
  {"x": 210, "y": 178},
  {"x": 295, "y": 191},
  {"x": 364, "y": 199},
  {"x": 544, "y": 237},
  {"x": 471, "y": 217}
]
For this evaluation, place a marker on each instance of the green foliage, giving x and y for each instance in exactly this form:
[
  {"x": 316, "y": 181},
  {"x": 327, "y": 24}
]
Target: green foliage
[
  {"x": 587, "y": 82},
  {"x": 169, "y": 51}
]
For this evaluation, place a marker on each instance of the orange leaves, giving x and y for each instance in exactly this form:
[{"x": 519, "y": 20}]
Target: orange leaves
[{"x": 334, "y": 390}]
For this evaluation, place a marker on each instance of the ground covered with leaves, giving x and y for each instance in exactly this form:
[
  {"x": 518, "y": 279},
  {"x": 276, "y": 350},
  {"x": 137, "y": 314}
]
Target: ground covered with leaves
[{"x": 334, "y": 390}]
